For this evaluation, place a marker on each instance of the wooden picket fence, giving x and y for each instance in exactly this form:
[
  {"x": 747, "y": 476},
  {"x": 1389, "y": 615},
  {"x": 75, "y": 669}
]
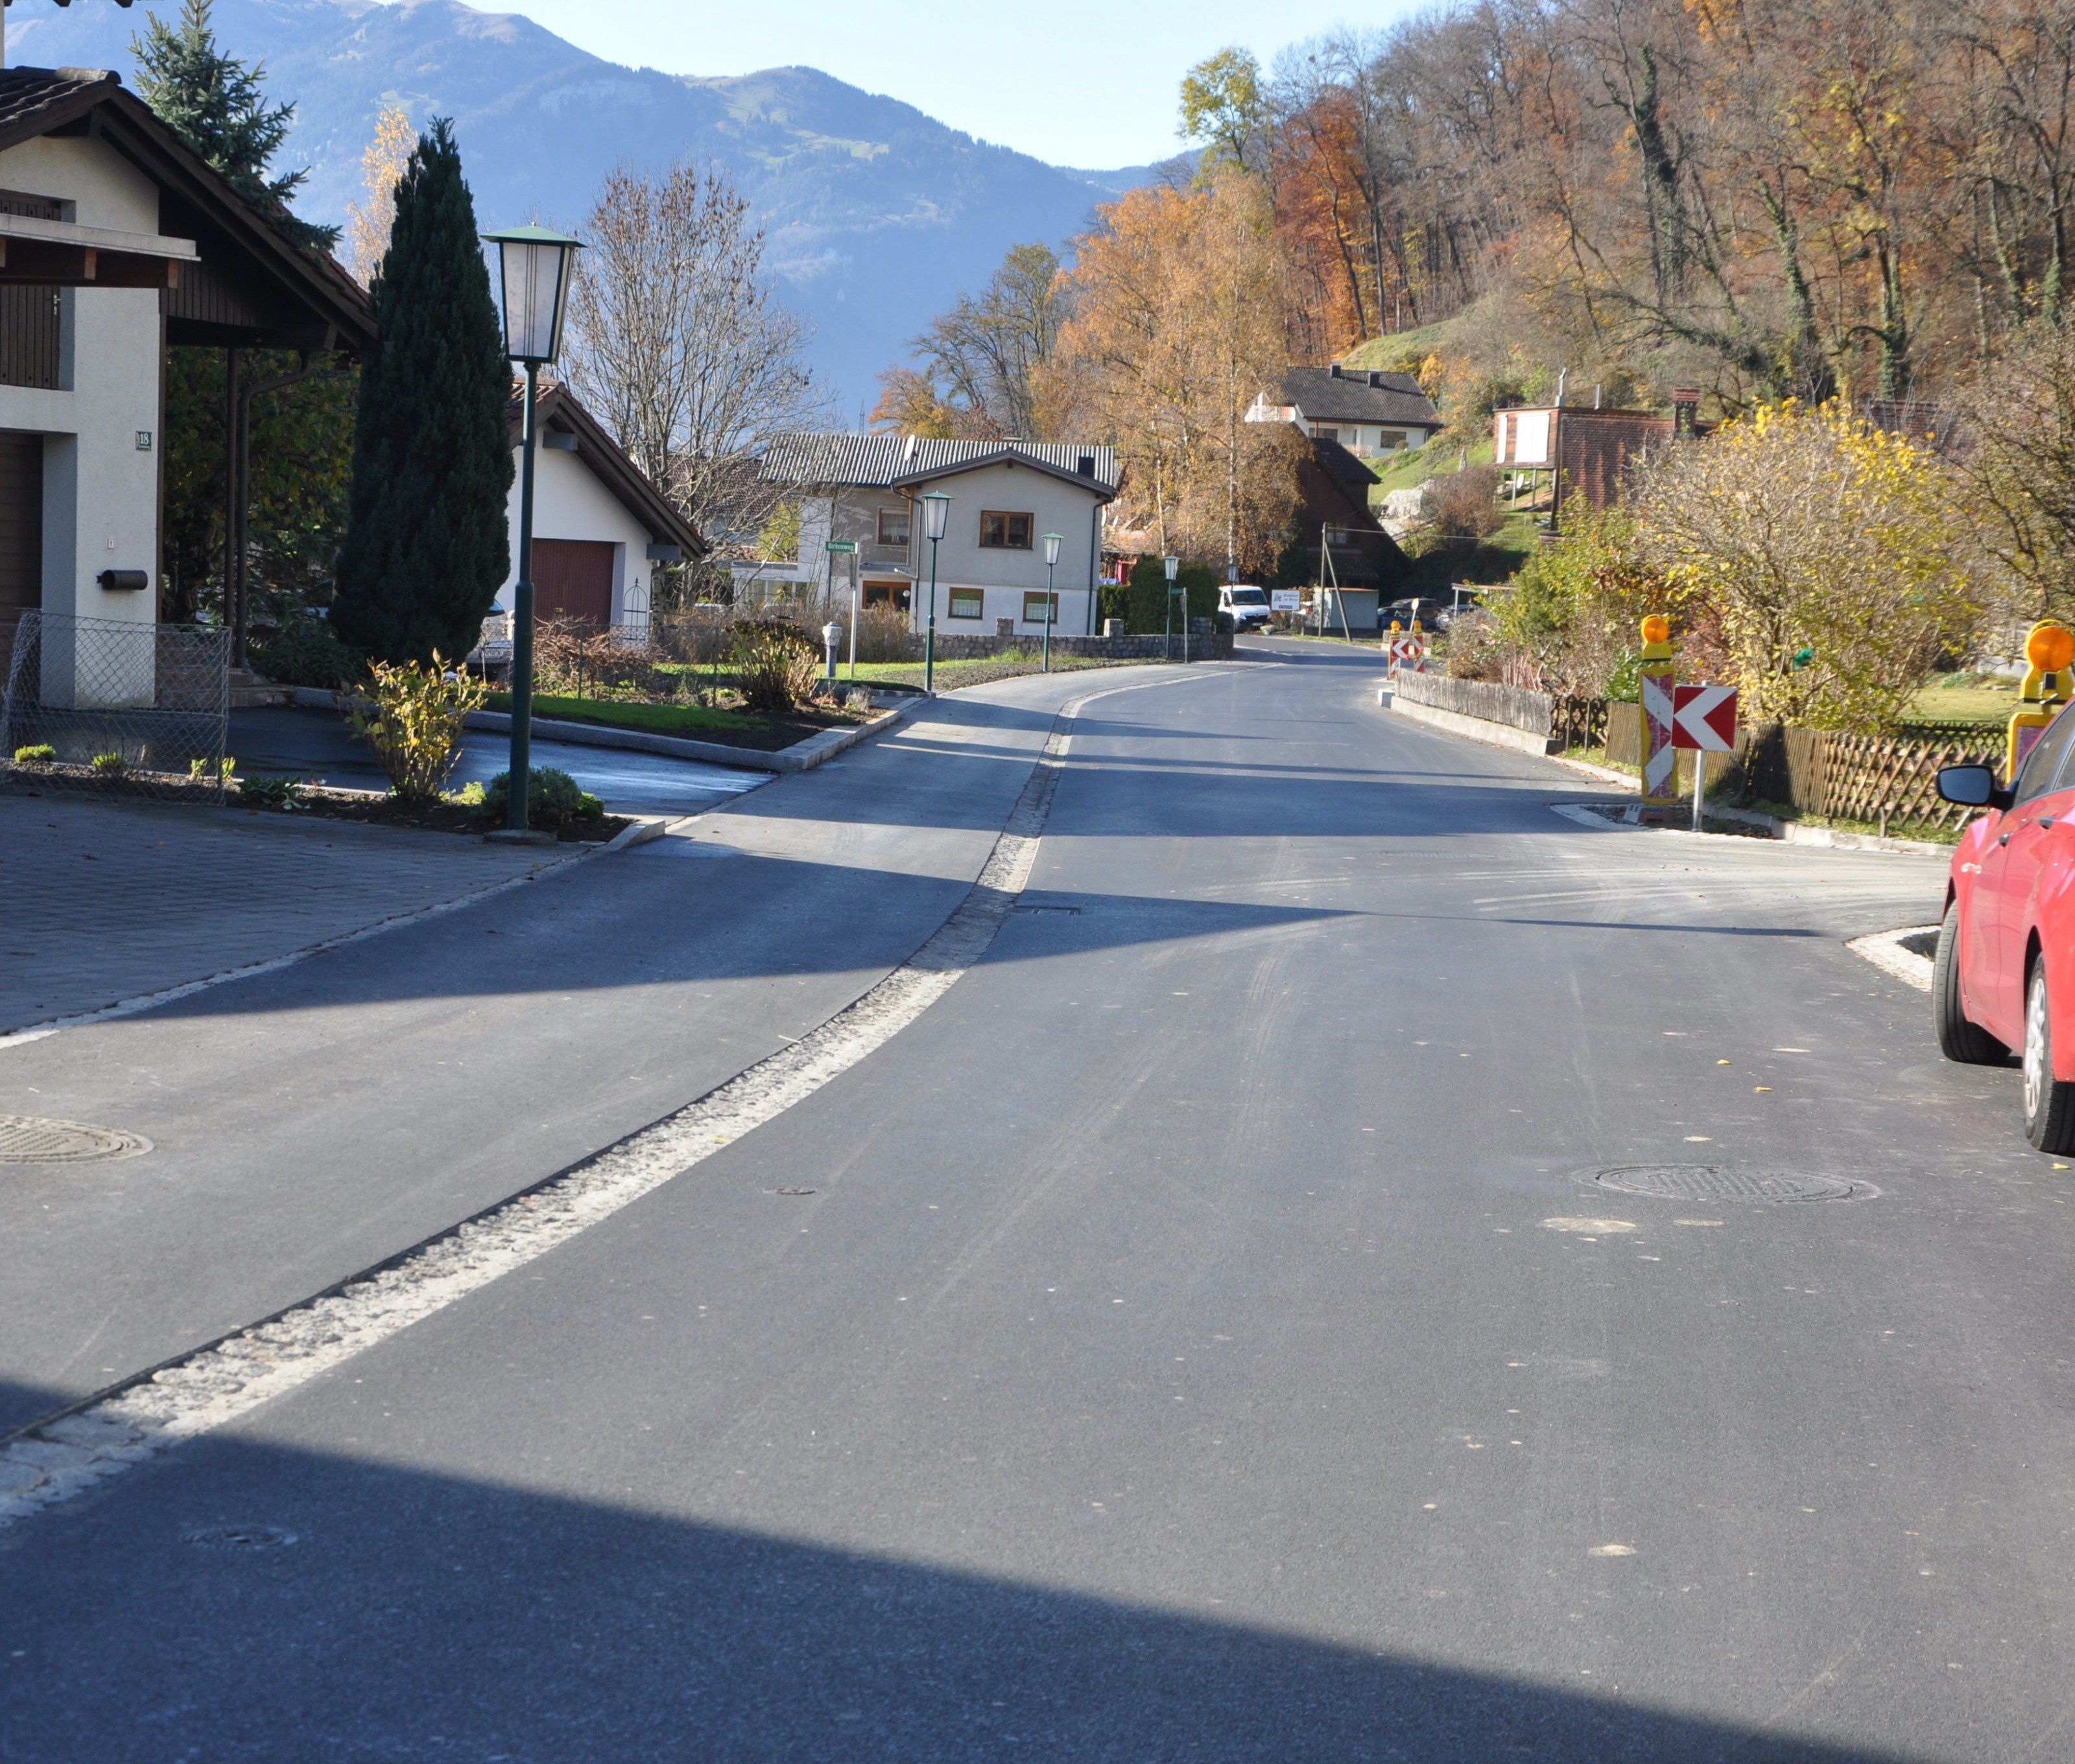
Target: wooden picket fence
[{"x": 1887, "y": 782}]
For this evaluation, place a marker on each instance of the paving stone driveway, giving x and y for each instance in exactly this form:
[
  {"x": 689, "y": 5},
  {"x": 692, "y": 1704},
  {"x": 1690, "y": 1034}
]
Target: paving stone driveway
[{"x": 103, "y": 901}]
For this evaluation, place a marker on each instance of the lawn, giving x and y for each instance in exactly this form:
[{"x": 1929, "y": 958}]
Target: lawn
[
  {"x": 1403, "y": 471},
  {"x": 1968, "y": 699},
  {"x": 670, "y": 719}
]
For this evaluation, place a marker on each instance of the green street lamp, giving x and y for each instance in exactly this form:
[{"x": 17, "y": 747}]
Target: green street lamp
[
  {"x": 936, "y": 514},
  {"x": 1051, "y": 560},
  {"x": 1172, "y": 565},
  {"x": 534, "y": 266}
]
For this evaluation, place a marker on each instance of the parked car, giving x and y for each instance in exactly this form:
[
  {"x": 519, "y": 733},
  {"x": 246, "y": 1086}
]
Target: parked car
[
  {"x": 1248, "y": 606},
  {"x": 1416, "y": 614},
  {"x": 2003, "y": 977}
]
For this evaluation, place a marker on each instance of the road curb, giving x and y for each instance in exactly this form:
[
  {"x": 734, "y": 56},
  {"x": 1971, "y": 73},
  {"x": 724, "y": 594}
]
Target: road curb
[{"x": 1888, "y": 951}]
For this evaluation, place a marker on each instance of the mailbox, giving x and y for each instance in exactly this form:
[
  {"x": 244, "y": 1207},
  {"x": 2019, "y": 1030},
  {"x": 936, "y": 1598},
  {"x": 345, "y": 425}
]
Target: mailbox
[{"x": 124, "y": 581}]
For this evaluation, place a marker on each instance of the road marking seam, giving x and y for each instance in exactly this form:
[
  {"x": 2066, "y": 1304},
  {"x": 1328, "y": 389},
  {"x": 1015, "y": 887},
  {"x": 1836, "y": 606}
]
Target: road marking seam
[{"x": 53, "y": 1459}]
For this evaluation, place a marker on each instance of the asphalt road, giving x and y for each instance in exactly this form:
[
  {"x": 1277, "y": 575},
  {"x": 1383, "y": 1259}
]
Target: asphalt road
[{"x": 1196, "y": 1337}]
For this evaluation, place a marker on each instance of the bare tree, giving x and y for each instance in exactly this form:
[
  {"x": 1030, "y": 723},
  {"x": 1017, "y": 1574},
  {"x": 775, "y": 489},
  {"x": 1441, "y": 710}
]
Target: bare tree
[
  {"x": 990, "y": 356},
  {"x": 682, "y": 347}
]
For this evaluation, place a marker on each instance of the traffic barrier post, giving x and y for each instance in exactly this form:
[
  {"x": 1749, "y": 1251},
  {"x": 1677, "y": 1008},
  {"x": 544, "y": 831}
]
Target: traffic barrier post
[{"x": 1656, "y": 680}]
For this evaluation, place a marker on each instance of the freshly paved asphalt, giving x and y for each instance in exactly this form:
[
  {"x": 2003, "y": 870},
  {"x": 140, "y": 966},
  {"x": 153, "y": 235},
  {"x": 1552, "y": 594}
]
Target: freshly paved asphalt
[{"x": 1171, "y": 1360}]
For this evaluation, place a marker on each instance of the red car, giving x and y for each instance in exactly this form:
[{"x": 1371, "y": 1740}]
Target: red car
[{"x": 2005, "y": 973}]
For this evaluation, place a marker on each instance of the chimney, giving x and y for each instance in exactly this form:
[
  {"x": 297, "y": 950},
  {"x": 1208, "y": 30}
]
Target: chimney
[
  {"x": 1335, "y": 370},
  {"x": 1376, "y": 378}
]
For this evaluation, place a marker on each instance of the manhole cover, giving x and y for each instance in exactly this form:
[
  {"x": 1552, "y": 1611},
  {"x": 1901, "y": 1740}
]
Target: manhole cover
[
  {"x": 24, "y": 1139},
  {"x": 239, "y": 1537},
  {"x": 1708, "y": 1181}
]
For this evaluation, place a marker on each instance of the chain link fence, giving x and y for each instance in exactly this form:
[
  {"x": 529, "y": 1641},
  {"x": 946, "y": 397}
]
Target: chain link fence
[{"x": 115, "y": 705}]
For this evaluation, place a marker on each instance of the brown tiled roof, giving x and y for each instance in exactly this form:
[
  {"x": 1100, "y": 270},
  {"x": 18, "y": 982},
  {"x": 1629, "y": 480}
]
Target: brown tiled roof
[
  {"x": 37, "y": 102},
  {"x": 559, "y": 408}
]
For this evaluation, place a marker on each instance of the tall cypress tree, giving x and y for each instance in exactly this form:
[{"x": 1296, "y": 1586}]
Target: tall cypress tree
[{"x": 425, "y": 546}]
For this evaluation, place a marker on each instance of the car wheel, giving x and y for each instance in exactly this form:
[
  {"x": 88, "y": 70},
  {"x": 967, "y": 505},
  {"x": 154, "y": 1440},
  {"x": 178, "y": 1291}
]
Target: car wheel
[
  {"x": 1958, "y": 1039},
  {"x": 2049, "y": 1104}
]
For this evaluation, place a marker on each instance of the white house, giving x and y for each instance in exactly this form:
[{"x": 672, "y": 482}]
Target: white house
[
  {"x": 1005, "y": 497},
  {"x": 601, "y": 528},
  {"x": 115, "y": 240},
  {"x": 1367, "y": 411}
]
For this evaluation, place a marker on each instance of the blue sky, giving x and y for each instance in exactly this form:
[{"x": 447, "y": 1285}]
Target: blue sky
[{"x": 1089, "y": 83}]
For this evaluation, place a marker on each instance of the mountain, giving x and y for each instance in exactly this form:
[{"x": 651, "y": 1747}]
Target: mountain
[{"x": 878, "y": 216}]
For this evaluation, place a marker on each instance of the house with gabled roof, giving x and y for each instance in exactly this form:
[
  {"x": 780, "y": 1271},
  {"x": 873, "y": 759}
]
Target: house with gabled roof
[
  {"x": 1367, "y": 411},
  {"x": 602, "y": 527},
  {"x": 117, "y": 240},
  {"x": 1005, "y": 497}
]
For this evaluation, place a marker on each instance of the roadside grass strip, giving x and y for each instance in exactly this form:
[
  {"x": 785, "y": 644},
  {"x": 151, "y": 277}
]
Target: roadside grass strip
[{"x": 62, "y": 1454}]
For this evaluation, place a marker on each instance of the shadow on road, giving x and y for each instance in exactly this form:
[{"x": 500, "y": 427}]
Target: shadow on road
[{"x": 247, "y": 1601}]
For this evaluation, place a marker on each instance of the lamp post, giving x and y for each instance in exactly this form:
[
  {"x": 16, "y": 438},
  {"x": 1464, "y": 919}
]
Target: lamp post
[
  {"x": 534, "y": 266},
  {"x": 1051, "y": 559},
  {"x": 936, "y": 513},
  {"x": 1172, "y": 565}
]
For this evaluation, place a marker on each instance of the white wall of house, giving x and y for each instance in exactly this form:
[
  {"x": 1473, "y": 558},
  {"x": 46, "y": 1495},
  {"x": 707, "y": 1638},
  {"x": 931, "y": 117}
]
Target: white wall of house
[
  {"x": 101, "y": 429},
  {"x": 570, "y": 503},
  {"x": 1362, "y": 438},
  {"x": 985, "y": 583}
]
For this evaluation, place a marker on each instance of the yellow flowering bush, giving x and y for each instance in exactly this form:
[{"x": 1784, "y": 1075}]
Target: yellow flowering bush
[
  {"x": 1830, "y": 557},
  {"x": 413, "y": 719}
]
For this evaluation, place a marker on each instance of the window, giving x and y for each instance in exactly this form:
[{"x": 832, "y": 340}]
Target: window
[
  {"x": 893, "y": 526},
  {"x": 1033, "y": 608},
  {"x": 1390, "y": 439},
  {"x": 2035, "y": 777},
  {"x": 1004, "y": 532},
  {"x": 1325, "y": 434},
  {"x": 967, "y": 603}
]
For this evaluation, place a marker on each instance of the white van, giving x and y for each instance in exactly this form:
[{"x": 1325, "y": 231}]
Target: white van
[{"x": 1247, "y": 606}]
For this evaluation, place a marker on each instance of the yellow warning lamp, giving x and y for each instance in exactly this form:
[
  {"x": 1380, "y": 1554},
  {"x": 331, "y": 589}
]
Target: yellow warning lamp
[
  {"x": 1396, "y": 625},
  {"x": 2047, "y": 685},
  {"x": 1656, "y": 638}
]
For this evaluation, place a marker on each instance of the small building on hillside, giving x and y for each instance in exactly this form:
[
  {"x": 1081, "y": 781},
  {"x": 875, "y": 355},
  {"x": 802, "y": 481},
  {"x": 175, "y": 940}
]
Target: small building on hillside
[
  {"x": 1586, "y": 453},
  {"x": 602, "y": 529},
  {"x": 1368, "y": 411},
  {"x": 865, "y": 490}
]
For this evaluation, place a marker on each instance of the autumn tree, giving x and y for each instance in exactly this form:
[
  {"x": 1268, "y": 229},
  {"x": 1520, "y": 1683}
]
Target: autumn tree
[
  {"x": 989, "y": 361},
  {"x": 368, "y": 220},
  {"x": 1177, "y": 328},
  {"x": 680, "y": 344}
]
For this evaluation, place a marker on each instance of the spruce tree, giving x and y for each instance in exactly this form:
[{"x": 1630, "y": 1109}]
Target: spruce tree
[
  {"x": 425, "y": 547},
  {"x": 216, "y": 104}
]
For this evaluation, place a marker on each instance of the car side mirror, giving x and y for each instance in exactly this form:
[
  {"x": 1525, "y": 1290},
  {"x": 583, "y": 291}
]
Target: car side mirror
[{"x": 1971, "y": 787}]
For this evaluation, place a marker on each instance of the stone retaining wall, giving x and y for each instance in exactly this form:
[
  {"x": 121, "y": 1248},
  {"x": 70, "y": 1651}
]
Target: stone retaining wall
[
  {"x": 967, "y": 646},
  {"x": 1488, "y": 702}
]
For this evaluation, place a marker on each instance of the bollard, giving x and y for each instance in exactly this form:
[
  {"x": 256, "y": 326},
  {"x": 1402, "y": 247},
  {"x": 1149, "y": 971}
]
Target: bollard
[
  {"x": 1655, "y": 678},
  {"x": 831, "y": 635}
]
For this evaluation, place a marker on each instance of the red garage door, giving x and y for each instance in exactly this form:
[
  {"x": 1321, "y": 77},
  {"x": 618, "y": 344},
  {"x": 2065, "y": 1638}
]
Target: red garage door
[{"x": 573, "y": 579}]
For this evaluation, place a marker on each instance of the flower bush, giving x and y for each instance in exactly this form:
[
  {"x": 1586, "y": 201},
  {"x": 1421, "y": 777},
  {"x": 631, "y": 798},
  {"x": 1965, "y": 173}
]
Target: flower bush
[{"x": 414, "y": 722}]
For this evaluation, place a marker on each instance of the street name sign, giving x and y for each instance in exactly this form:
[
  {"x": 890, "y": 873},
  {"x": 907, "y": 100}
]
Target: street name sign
[
  {"x": 842, "y": 545},
  {"x": 1704, "y": 718}
]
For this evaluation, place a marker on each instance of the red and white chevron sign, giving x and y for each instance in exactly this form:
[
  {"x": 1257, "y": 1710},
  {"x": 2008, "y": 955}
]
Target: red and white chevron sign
[
  {"x": 1659, "y": 759},
  {"x": 1704, "y": 718}
]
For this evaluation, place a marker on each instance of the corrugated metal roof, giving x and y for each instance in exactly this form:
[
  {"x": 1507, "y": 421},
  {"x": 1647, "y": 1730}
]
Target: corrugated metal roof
[
  {"x": 876, "y": 460},
  {"x": 1350, "y": 398}
]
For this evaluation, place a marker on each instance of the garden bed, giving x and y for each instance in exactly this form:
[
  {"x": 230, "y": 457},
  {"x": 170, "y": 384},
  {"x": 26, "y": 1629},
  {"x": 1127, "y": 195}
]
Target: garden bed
[{"x": 321, "y": 802}]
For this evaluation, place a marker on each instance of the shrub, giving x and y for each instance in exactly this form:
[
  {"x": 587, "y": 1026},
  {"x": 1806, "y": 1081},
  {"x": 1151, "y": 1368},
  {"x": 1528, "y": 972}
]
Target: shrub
[
  {"x": 39, "y": 753},
  {"x": 1464, "y": 504},
  {"x": 109, "y": 765},
  {"x": 553, "y": 798},
  {"x": 1146, "y": 596},
  {"x": 199, "y": 770},
  {"x": 415, "y": 723},
  {"x": 774, "y": 668},
  {"x": 1825, "y": 557},
  {"x": 271, "y": 792},
  {"x": 305, "y": 651}
]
